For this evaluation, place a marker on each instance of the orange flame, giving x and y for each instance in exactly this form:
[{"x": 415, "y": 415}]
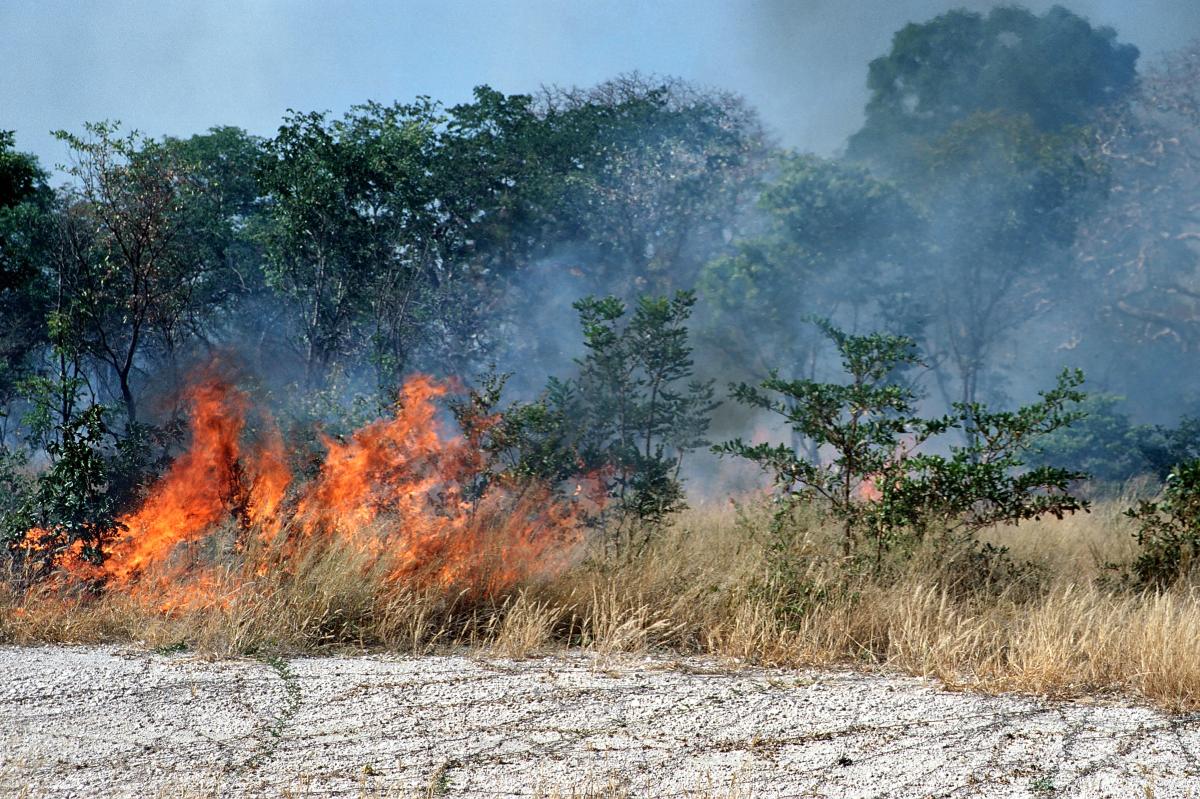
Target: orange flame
[{"x": 399, "y": 490}]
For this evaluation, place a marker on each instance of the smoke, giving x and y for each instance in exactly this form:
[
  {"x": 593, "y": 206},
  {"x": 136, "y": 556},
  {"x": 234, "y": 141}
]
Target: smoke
[
  {"x": 803, "y": 64},
  {"x": 182, "y": 67}
]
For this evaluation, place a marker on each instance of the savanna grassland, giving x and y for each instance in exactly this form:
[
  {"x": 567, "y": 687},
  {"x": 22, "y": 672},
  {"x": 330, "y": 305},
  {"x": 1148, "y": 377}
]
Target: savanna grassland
[
  {"x": 1051, "y": 621},
  {"x": 423, "y": 377}
]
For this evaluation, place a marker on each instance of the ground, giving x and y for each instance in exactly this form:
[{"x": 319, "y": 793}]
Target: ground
[{"x": 105, "y": 721}]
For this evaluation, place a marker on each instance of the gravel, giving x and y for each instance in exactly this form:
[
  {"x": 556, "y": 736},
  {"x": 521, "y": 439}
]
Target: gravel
[{"x": 106, "y": 721}]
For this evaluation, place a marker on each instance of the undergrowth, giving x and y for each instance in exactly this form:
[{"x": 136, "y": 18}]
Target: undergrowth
[{"x": 1039, "y": 614}]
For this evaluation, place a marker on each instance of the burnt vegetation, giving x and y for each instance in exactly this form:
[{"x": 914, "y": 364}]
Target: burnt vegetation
[{"x": 630, "y": 299}]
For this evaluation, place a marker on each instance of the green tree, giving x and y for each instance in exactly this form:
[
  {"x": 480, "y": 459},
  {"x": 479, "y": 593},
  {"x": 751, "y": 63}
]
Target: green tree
[
  {"x": 1056, "y": 69},
  {"x": 638, "y": 409},
  {"x": 1005, "y": 201},
  {"x": 218, "y": 232},
  {"x": 983, "y": 120},
  {"x": 837, "y": 243},
  {"x": 627, "y": 420},
  {"x": 70, "y": 507},
  {"x": 124, "y": 270},
  {"x": 652, "y": 174},
  {"x": 374, "y": 228},
  {"x": 332, "y": 220},
  {"x": 26, "y": 203},
  {"x": 1103, "y": 442}
]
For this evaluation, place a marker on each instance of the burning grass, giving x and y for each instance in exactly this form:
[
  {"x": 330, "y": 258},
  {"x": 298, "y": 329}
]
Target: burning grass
[
  {"x": 400, "y": 501},
  {"x": 396, "y": 543},
  {"x": 700, "y": 591}
]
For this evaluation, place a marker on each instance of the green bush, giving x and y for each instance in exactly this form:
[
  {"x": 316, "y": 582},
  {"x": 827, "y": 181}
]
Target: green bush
[
  {"x": 1103, "y": 442},
  {"x": 878, "y": 483},
  {"x": 1165, "y": 448},
  {"x": 70, "y": 504},
  {"x": 1168, "y": 534}
]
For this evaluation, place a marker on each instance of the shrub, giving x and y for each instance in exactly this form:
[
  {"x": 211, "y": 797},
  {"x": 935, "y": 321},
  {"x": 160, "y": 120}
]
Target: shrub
[
  {"x": 70, "y": 505},
  {"x": 1103, "y": 442},
  {"x": 1168, "y": 534},
  {"x": 1165, "y": 448},
  {"x": 875, "y": 481}
]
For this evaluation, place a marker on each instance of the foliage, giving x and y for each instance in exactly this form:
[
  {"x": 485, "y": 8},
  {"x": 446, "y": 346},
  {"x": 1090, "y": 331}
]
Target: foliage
[
  {"x": 1055, "y": 69},
  {"x": 1166, "y": 448},
  {"x": 16, "y": 486},
  {"x": 346, "y": 200},
  {"x": 650, "y": 173},
  {"x": 125, "y": 265},
  {"x": 982, "y": 119},
  {"x": 526, "y": 442},
  {"x": 25, "y": 205},
  {"x": 638, "y": 408},
  {"x": 70, "y": 507},
  {"x": 837, "y": 242},
  {"x": 1006, "y": 200},
  {"x": 1140, "y": 249},
  {"x": 1168, "y": 534},
  {"x": 627, "y": 420},
  {"x": 1103, "y": 442},
  {"x": 875, "y": 480}
]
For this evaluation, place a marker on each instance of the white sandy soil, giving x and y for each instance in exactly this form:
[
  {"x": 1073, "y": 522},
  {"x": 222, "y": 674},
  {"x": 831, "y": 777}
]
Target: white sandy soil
[{"x": 105, "y": 721}]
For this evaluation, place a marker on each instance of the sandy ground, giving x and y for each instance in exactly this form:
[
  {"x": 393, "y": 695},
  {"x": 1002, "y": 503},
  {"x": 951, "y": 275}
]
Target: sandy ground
[{"x": 86, "y": 722}]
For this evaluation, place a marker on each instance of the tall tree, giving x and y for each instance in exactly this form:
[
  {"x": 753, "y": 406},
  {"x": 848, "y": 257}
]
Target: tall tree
[
  {"x": 983, "y": 121},
  {"x": 340, "y": 196},
  {"x": 1005, "y": 201},
  {"x": 1056, "y": 69},
  {"x": 124, "y": 273},
  {"x": 653, "y": 174},
  {"x": 25, "y": 205},
  {"x": 1143, "y": 245}
]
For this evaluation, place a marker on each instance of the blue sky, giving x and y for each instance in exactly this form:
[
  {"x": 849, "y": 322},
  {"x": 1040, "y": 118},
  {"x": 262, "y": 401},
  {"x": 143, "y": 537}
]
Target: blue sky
[{"x": 179, "y": 67}]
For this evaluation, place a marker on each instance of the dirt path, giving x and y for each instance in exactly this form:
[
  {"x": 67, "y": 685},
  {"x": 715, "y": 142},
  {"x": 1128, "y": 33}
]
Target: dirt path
[{"x": 92, "y": 722}]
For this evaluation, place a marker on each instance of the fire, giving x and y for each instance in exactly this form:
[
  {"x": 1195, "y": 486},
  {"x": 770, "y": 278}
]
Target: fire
[{"x": 403, "y": 492}]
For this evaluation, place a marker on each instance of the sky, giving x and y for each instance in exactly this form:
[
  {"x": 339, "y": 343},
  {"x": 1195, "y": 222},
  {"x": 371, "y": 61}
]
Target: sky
[{"x": 183, "y": 66}]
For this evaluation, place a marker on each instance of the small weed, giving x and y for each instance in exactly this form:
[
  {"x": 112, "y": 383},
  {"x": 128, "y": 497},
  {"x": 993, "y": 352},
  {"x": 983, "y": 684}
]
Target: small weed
[
  {"x": 1042, "y": 786},
  {"x": 171, "y": 649}
]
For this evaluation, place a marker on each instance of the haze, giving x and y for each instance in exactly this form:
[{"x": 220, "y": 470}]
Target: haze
[{"x": 180, "y": 68}]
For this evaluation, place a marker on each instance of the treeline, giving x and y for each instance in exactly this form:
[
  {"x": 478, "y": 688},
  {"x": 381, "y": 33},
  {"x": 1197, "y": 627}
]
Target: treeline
[{"x": 1018, "y": 199}]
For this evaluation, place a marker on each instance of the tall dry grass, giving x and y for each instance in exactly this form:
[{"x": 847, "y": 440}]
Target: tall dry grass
[{"x": 1052, "y": 625}]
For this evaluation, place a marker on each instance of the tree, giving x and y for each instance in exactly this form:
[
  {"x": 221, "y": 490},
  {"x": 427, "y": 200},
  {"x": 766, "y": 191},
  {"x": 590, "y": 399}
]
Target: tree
[
  {"x": 1055, "y": 69},
  {"x": 983, "y": 120},
  {"x": 370, "y": 231},
  {"x": 1141, "y": 247},
  {"x": 652, "y": 174},
  {"x": 626, "y": 421},
  {"x": 331, "y": 222},
  {"x": 1103, "y": 442},
  {"x": 217, "y": 232},
  {"x": 70, "y": 510},
  {"x": 1004, "y": 201},
  {"x": 637, "y": 407},
  {"x": 837, "y": 243},
  {"x": 125, "y": 274},
  {"x": 26, "y": 203}
]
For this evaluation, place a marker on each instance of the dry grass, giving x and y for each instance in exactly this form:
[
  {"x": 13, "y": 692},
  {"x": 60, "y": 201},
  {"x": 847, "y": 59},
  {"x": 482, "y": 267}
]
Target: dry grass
[{"x": 1058, "y": 629}]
